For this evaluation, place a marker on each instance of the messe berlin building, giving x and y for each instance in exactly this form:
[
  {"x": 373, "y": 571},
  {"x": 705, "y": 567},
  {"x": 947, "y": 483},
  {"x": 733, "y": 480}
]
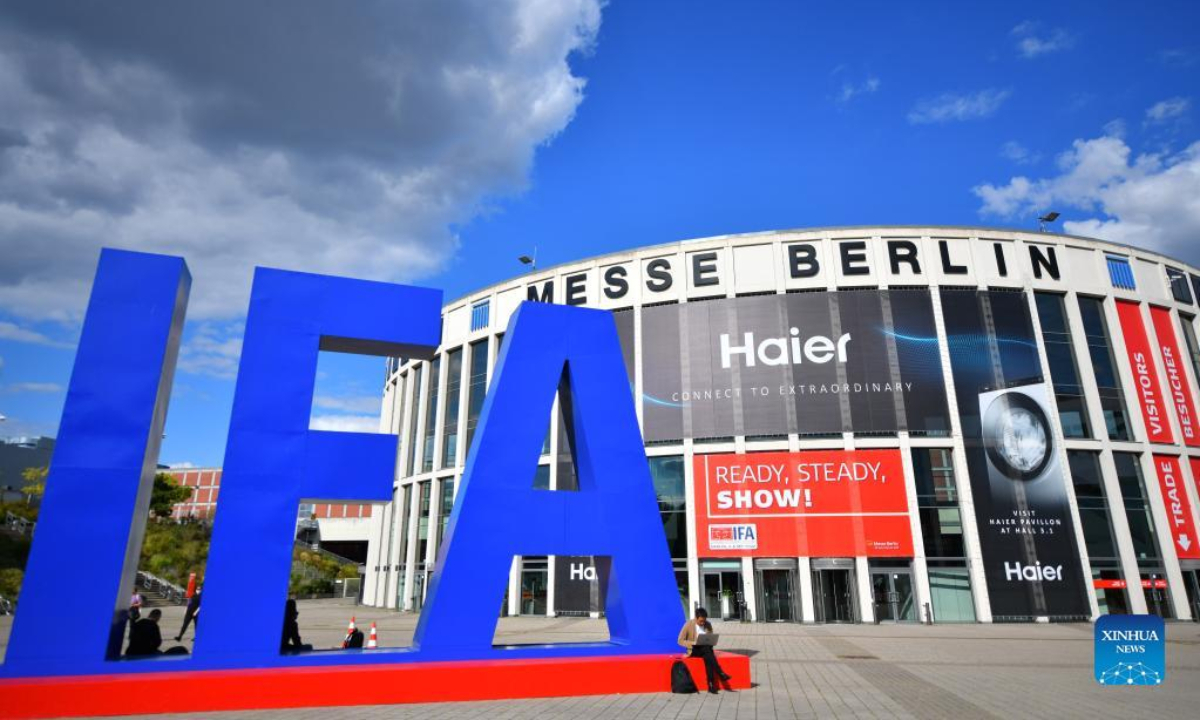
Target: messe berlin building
[{"x": 865, "y": 424}]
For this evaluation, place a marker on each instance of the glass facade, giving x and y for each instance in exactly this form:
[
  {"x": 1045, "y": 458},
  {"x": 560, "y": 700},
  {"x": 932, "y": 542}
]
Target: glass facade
[
  {"x": 1108, "y": 382},
  {"x": 454, "y": 366},
  {"x": 1137, "y": 509},
  {"x": 444, "y": 509},
  {"x": 427, "y": 438},
  {"x": 402, "y": 555},
  {"x": 1100, "y": 543},
  {"x": 415, "y": 391},
  {"x": 942, "y": 531},
  {"x": 1064, "y": 371},
  {"x": 1191, "y": 346},
  {"x": 476, "y": 386},
  {"x": 426, "y": 495}
]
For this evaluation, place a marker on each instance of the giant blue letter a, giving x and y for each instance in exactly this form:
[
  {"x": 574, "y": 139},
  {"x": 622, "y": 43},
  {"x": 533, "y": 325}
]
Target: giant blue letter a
[{"x": 498, "y": 514}]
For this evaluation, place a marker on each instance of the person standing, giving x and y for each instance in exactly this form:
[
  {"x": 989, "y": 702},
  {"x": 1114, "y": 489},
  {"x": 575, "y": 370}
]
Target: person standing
[
  {"x": 691, "y": 632},
  {"x": 191, "y": 615},
  {"x": 291, "y": 630}
]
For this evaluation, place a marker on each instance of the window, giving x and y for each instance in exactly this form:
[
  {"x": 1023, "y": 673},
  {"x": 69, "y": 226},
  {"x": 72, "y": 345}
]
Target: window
[
  {"x": 450, "y": 411},
  {"x": 1056, "y": 334},
  {"x": 431, "y": 416},
  {"x": 942, "y": 531},
  {"x": 1093, "y": 506},
  {"x": 447, "y": 505},
  {"x": 1108, "y": 382},
  {"x": 1120, "y": 273},
  {"x": 541, "y": 478},
  {"x": 1191, "y": 347},
  {"x": 1137, "y": 508},
  {"x": 479, "y": 315},
  {"x": 405, "y": 512},
  {"x": 426, "y": 490},
  {"x": 669, "y": 485},
  {"x": 476, "y": 386},
  {"x": 1180, "y": 289},
  {"x": 412, "y": 420}
]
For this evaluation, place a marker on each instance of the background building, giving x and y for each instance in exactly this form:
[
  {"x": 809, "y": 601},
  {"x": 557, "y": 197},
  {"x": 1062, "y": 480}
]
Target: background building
[
  {"x": 856, "y": 424},
  {"x": 340, "y": 528},
  {"x": 16, "y": 456}
]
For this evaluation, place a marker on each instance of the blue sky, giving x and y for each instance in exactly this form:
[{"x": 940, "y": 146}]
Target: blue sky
[{"x": 434, "y": 146}]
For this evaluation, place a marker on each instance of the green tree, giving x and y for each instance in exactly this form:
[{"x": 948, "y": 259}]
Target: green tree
[
  {"x": 167, "y": 493},
  {"x": 35, "y": 481}
]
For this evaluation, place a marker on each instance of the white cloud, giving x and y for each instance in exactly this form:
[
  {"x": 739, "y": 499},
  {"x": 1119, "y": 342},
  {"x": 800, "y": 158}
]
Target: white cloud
[
  {"x": 1168, "y": 109},
  {"x": 363, "y": 404},
  {"x": 33, "y": 387},
  {"x": 850, "y": 90},
  {"x": 212, "y": 349},
  {"x": 16, "y": 333},
  {"x": 1032, "y": 42},
  {"x": 1018, "y": 153},
  {"x": 326, "y": 139},
  {"x": 181, "y": 466},
  {"x": 345, "y": 423},
  {"x": 1149, "y": 200},
  {"x": 949, "y": 107}
]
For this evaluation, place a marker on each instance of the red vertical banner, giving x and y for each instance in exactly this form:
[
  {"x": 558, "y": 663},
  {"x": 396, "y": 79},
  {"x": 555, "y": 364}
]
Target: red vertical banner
[
  {"x": 1179, "y": 391},
  {"x": 1179, "y": 508},
  {"x": 1145, "y": 377}
]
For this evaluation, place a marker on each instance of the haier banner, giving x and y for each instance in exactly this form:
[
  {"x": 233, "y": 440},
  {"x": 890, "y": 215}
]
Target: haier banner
[
  {"x": 810, "y": 363},
  {"x": 1030, "y": 556},
  {"x": 580, "y": 583},
  {"x": 821, "y": 503},
  {"x": 1178, "y": 388},
  {"x": 1145, "y": 377}
]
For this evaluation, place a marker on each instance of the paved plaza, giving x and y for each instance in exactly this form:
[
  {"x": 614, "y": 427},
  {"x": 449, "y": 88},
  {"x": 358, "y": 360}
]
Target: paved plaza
[{"x": 846, "y": 671}]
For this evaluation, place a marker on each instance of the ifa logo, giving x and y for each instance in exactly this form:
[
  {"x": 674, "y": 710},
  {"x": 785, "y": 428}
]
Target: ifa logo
[{"x": 733, "y": 537}]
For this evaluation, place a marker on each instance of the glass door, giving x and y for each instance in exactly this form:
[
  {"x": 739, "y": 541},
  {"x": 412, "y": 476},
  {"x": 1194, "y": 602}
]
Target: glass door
[
  {"x": 833, "y": 595},
  {"x": 777, "y": 595},
  {"x": 722, "y": 594}
]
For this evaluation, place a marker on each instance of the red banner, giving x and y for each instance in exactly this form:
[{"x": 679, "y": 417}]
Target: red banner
[
  {"x": 1179, "y": 391},
  {"x": 1108, "y": 584},
  {"x": 1145, "y": 377},
  {"x": 820, "y": 503},
  {"x": 1179, "y": 508}
]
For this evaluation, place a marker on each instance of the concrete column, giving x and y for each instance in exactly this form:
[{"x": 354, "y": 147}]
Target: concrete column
[
  {"x": 1176, "y": 594},
  {"x": 920, "y": 572},
  {"x": 514, "y": 587},
  {"x": 748, "y": 588},
  {"x": 805, "y": 588},
  {"x": 862, "y": 576},
  {"x": 695, "y": 589}
]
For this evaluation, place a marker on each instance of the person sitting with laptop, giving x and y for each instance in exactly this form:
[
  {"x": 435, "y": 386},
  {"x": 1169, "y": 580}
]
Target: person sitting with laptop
[{"x": 698, "y": 637}]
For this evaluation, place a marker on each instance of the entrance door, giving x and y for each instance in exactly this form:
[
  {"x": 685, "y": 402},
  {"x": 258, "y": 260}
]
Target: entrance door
[
  {"x": 778, "y": 595},
  {"x": 833, "y": 592},
  {"x": 1191, "y": 583},
  {"x": 893, "y": 596},
  {"x": 722, "y": 594}
]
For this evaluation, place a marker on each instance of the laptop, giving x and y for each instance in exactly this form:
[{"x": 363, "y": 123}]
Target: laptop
[{"x": 708, "y": 639}]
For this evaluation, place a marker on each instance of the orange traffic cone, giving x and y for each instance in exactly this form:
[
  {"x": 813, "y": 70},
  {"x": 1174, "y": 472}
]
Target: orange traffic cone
[
  {"x": 349, "y": 633},
  {"x": 373, "y": 641}
]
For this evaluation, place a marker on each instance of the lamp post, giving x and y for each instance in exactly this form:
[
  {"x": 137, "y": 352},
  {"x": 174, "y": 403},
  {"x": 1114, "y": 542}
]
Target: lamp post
[
  {"x": 531, "y": 262},
  {"x": 1047, "y": 218}
]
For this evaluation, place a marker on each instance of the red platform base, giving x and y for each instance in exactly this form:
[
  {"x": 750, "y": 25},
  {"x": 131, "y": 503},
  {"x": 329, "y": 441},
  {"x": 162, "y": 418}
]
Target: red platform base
[{"x": 213, "y": 690}]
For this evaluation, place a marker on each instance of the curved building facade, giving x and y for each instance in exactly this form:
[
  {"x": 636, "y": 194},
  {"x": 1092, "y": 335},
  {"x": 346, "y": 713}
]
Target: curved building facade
[{"x": 893, "y": 424}]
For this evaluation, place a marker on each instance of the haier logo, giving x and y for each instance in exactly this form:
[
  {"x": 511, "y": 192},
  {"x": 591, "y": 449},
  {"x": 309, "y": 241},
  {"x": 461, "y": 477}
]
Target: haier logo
[
  {"x": 579, "y": 571},
  {"x": 1032, "y": 573},
  {"x": 817, "y": 349},
  {"x": 733, "y": 537}
]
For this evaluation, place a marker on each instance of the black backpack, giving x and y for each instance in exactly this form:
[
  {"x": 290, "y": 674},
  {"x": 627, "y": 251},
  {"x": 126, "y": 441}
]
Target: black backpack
[{"x": 681, "y": 678}]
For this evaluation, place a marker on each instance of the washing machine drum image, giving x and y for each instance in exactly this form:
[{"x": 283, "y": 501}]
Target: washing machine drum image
[{"x": 1017, "y": 436}]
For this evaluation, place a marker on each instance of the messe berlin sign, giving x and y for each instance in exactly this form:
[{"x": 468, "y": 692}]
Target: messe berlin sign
[
  {"x": 819, "y": 503},
  {"x": 97, "y": 496}
]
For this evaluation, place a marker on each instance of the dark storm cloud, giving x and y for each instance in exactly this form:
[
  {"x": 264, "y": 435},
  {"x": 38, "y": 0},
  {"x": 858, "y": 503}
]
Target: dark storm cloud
[{"x": 338, "y": 137}]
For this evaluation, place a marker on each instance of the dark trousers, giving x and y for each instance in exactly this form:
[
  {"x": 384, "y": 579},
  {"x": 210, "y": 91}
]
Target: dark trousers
[
  {"x": 189, "y": 618},
  {"x": 712, "y": 670}
]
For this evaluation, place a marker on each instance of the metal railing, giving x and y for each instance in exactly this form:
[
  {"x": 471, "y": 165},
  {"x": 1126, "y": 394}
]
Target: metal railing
[
  {"x": 166, "y": 590},
  {"x": 18, "y": 524}
]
